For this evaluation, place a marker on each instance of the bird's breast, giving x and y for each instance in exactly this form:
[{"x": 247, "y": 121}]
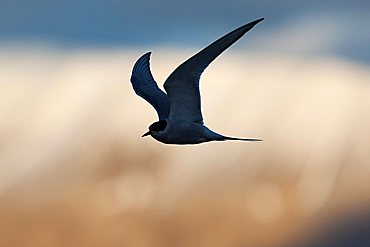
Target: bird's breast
[{"x": 182, "y": 132}]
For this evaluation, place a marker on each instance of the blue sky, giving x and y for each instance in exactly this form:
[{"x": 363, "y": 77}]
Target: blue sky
[{"x": 121, "y": 23}]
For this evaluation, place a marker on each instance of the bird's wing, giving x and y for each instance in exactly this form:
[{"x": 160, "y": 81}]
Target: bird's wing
[
  {"x": 182, "y": 86},
  {"x": 145, "y": 86}
]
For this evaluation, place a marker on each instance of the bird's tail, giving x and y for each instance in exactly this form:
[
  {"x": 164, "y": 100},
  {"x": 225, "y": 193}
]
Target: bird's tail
[
  {"x": 227, "y": 138},
  {"x": 213, "y": 136}
]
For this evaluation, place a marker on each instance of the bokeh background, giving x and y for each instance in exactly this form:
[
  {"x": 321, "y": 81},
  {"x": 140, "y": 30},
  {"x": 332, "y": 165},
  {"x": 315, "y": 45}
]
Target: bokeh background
[{"x": 74, "y": 170}]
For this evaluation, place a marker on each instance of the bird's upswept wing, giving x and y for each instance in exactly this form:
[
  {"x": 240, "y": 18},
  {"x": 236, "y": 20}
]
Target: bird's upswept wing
[
  {"x": 182, "y": 86},
  {"x": 145, "y": 86}
]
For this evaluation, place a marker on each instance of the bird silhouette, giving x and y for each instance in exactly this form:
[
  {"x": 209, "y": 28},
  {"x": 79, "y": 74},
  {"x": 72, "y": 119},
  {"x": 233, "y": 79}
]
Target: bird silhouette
[{"x": 179, "y": 111}]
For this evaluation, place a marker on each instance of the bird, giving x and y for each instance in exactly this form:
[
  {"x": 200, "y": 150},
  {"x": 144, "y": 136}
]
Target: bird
[{"x": 179, "y": 112}]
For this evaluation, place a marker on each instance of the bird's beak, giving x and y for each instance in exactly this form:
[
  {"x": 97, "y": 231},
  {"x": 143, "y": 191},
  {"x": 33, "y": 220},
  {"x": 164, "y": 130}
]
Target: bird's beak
[{"x": 146, "y": 134}]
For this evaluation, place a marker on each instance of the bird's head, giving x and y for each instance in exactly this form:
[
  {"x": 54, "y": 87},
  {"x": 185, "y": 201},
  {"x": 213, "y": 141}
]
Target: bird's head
[{"x": 156, "y": 127}]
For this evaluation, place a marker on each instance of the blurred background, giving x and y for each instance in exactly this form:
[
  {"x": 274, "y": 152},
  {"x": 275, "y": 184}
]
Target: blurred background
[{"x": 74, "y": 170}]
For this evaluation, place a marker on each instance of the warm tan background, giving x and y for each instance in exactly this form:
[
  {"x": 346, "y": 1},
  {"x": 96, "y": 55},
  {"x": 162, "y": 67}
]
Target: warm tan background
[{"x": 75, "y": 171}]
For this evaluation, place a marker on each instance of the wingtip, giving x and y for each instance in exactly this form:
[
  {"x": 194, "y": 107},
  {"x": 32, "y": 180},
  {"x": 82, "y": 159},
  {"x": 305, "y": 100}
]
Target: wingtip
[
  {"x": 147, "y": 54},
  {"x": 142, "y": 58},
  {"x": 245, "y": 28},
  {"x": 257, "y": 21}
]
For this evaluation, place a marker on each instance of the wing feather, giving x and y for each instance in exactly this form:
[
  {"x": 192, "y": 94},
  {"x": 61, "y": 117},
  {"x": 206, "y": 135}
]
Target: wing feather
[
  {"x": 182, "y": 86},
  {"x": 145, "y": 86}
]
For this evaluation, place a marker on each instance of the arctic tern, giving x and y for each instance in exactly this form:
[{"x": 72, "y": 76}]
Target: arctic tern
[{"x": 179, "y": 111}]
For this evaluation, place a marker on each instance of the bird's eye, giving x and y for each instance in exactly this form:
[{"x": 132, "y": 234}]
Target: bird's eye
[{"x": 158, "y": 126}]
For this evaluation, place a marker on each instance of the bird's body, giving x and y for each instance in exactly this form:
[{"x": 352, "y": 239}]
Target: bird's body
[
  {"x": 179, "y": 111},
  {"x": 183, "y": 131}
]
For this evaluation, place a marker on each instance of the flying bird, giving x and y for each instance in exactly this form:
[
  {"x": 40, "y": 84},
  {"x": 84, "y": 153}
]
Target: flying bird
[{"x": 179, "y": 111}]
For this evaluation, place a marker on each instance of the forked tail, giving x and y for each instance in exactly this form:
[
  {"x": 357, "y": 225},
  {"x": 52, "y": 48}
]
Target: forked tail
[
  {"x": 213, "y": 136},
  {"x": 227, "y": 138}
]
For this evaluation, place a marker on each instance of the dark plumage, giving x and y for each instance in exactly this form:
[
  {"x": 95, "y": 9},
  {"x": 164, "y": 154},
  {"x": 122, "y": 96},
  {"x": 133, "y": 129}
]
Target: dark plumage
[
  {"x": 179, "y": 111},
  {"x": 158, "y": 126}
]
